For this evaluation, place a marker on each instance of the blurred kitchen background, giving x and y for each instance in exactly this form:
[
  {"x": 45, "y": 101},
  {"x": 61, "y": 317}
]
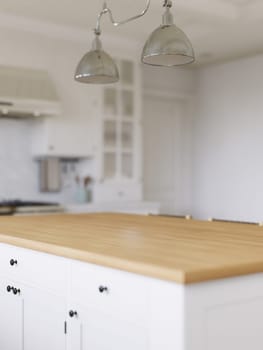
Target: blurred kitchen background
[{"x": 185, "y": 141}]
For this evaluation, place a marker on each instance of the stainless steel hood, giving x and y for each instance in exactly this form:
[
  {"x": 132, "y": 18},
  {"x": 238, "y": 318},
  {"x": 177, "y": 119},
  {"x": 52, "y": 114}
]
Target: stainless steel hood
[{"x": 27, "y": 93}]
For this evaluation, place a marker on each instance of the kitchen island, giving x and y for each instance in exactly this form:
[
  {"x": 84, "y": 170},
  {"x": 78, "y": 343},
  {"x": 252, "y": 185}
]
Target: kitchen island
[{"x": 111, "y": 281}]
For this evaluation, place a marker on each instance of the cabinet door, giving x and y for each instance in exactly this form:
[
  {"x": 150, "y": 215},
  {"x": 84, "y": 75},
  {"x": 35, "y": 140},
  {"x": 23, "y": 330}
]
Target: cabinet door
[
  {"x": 92, "y": 329},
  {"x": 121, "y": 124},
  {"x": 11, "y": 320},
  {"x": 44, "y": 321}
]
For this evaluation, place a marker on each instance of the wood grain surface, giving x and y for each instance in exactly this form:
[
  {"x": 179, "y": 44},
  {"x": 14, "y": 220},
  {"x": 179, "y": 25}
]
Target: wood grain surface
[{"x": 179, "y": 250}]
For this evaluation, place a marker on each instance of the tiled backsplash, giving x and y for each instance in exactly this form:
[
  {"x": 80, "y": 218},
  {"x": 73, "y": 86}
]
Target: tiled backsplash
[{"x": 18, "y": 169}]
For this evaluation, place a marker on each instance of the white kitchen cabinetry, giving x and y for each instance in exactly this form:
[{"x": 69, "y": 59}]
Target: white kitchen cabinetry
[
  {"x": 11, "y": 319},
  {"x": 44, "y": 317},
  {"x": 129, "y": 312},
  {"x": 76, "y": 312},
  {"x": 129, "y": 207},
  {"x": 93, "y": 329},
  {"x": 30, "y": 318},
  {"x": 119, "y": 163},
  {"x": 71, "y": 134},
  {"x": 63, "y": 138},
  {"x": 84, "y": 306},
  {"x": 106, "y": 318},
  {"x": 225, "y": 314},
  {"x": 32, "y": 300}
]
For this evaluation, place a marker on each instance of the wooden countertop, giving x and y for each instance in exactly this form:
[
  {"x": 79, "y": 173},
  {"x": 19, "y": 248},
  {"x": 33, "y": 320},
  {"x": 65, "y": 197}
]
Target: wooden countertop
[{"x": 184, "y": 251}]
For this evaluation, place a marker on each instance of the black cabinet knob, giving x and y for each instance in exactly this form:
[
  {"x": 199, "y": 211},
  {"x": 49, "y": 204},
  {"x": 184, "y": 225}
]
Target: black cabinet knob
[
  {"x": 72, "y": 313},
  {"x": 16, "y": 291},
  {"x": 103, "y": 289},
  {"x": 13, "y": 262}
]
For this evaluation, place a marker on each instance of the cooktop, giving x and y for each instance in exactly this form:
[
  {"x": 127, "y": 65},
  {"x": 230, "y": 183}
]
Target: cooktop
[{"x": 22, "y": 203}]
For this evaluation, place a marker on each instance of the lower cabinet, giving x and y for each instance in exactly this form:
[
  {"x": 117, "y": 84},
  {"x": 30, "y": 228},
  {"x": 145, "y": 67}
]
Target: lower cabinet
[
  {"x": 31, "y": 319},
  {"x": 62, "y": 304},
  {"x": 92, "y": 329},
  {"x": 11, "y": 319},
  {"x": 44, "y": 320}
]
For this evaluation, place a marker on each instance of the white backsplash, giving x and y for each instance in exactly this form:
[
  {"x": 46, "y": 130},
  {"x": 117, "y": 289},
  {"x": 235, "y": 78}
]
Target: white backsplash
[{"x": 18, "y": 169}]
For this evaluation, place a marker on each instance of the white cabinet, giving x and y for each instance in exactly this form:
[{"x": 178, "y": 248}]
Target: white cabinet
[
  {"x": 64, "y": 138},
  {"x": 120, "y": 151},
  {"x": 44, "y": 320},
  {"x": 111, "y": 310},
  {"x": 130, "y": 207},
  {"x": 80, "y": 306},
  {"x": 11, "y": 320},
  {"x": 93, "y": 329},
  {"x": 30, "y": 318},
  {"x": 30, "y": 268},
  {"x": 72, "y": 134},
  {"x": 121, "y": 116},
  {"x": 230, "y": 311},
  {"x": 32, "y": 300},
  {"x": 103, "y": 309}
]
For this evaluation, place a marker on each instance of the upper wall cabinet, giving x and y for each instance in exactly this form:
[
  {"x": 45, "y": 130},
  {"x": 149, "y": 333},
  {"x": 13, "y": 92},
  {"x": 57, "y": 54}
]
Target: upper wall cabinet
[
  {"x": 71, "y": 134},
  {"x": 63, "y": 138},
  {"x": 120, "y": 156}
]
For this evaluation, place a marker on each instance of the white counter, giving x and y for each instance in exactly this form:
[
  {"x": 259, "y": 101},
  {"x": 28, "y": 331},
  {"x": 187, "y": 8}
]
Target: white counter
[{"x": 132, "y": 207}]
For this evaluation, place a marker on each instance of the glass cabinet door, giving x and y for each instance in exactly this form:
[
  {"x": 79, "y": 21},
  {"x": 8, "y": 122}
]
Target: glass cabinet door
[
  {"x": 110, "y": 102},
  {"x": 110, "y": 165},
  {"x": 110, "y": 134},
  {"x": 126, "y": 136},
  {"x": 119, "y": 114},
  {"x": 127, "y": 103}
]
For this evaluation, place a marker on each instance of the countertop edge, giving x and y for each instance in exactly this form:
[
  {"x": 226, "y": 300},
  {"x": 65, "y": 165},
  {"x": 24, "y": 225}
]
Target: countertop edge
[
  {"x": 151, "y": 271},
  {"x": 215, "y": 274},
  {"x": 147, "y": 270}
]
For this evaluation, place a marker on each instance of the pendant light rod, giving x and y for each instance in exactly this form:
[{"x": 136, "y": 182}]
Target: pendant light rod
[{"x": 107, "y": 10}]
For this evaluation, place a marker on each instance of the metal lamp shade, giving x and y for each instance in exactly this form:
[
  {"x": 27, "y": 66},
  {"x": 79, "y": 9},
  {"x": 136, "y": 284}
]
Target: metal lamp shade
[
  {"x": 168, "y": 46},
  {"x": 97, "y": 67}
]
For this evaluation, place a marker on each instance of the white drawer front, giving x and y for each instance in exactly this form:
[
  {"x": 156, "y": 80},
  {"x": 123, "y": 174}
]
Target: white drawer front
[
  {"x": 7, "y": 253},
  {"x": 34, "y": 268},
  {"x": 108, "y": 193},
  {"x": 127, "y": 295}
]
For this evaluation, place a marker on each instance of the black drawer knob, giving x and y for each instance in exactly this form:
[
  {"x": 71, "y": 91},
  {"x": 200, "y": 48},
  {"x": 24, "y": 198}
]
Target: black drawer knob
[
  {"x": 72, "y": 313},
  {"x": 16, "y": 291},
  {"x": 13, "y": 262},
  {"x": 103, "y": 289}
]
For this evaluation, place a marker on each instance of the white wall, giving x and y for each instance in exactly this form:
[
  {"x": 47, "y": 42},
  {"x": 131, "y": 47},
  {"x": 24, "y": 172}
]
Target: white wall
[
  {"x": 173, "y": 90},
  {"x": 169, "y": 80},
  {"x": 228, "y": 141}
]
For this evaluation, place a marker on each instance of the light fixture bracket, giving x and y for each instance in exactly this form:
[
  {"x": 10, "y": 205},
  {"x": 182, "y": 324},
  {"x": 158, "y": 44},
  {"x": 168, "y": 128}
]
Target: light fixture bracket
[
  {"x": 106, "y": 10},
  {"x": 168, "y": 3}
]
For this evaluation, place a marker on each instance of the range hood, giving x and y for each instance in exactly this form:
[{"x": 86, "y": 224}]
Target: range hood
[{"x": 27, "y": 93}]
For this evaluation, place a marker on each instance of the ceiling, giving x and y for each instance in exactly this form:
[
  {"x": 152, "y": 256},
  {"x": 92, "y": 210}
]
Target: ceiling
[{"x": 219, "y": 29}]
